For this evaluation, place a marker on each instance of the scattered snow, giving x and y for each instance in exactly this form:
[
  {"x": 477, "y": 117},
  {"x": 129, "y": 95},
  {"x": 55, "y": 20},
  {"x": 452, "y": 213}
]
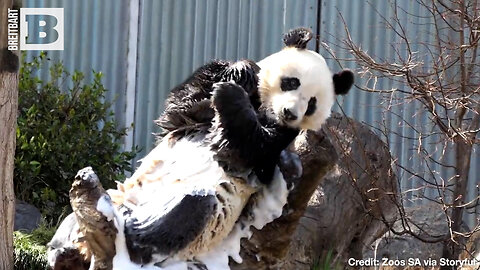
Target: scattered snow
[
  {"x": 104, "y": 206},
  {"x": 197, "y": 168},
  {"x": 186, "y": 168},
  {"x": 92, "y": 263},
  {"x": 268, "y": 206}
]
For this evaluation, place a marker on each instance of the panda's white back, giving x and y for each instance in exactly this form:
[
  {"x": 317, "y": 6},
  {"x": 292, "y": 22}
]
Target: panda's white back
[{"x": 172, "y": 171}]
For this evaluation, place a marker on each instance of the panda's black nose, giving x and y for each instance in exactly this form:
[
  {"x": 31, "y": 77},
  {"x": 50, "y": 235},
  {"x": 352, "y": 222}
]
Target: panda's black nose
[{"x": 288, "y": 115}]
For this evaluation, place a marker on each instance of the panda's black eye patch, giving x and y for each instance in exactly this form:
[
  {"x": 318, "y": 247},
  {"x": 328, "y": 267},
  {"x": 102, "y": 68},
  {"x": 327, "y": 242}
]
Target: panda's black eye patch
[
  {"x": 312, "y": 106},
  {"x": 289, "y": 83}
]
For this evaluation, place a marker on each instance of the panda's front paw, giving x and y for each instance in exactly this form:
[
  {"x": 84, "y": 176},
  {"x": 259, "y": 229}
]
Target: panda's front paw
[
  {"x": 229, "y": 97},
  {"x": 233, "y": 110}
]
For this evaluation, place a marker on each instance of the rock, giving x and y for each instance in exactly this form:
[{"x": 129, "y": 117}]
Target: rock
[{"x": 27, "y": 217}]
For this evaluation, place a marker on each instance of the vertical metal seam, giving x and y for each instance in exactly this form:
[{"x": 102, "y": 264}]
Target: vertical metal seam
[
  {"x": 319, "y": 20},
  {"x": 130, "y": 101}
]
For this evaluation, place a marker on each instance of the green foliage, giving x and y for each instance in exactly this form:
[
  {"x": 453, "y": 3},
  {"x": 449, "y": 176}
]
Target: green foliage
[
  {"x": 30, "y": 252},
  {"x": 63, "y": 125},
  {"x": 325, "y": 262}
]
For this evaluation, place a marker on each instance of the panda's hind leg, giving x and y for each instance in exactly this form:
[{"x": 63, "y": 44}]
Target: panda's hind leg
[{"x": 169, "y": 233}]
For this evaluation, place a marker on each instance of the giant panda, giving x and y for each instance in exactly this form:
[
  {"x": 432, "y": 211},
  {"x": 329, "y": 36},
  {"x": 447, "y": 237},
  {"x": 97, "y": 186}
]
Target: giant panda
[{"x": 227, "y": 128}]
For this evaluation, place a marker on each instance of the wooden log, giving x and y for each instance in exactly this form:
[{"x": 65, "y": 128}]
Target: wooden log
[
  {"x": 354, "y": 202},
  {"x": 267, "y": 248},
  {"x": 350, "y": 206},
  {"x": 97, "y": 230}
]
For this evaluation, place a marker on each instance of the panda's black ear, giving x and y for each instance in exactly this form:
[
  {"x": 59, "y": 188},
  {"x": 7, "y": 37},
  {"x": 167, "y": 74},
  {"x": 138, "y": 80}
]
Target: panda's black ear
[
  {"x": 298, "y": 37},
  {"x": 342, "y": 81}
]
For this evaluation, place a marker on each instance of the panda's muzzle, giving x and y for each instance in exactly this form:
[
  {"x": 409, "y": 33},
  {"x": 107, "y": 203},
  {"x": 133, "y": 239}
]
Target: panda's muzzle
[{"x": 287, "y": 115}]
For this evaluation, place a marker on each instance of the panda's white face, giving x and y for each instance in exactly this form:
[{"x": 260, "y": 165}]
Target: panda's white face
[{"x": 296, "y": 87}]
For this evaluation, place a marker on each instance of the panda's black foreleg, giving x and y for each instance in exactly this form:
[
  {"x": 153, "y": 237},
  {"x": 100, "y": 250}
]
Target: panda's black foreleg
[
  {"x": 258, "y": 146},
  {"x": 244, "y": 74},
  {"x": 236, "y": 115}
]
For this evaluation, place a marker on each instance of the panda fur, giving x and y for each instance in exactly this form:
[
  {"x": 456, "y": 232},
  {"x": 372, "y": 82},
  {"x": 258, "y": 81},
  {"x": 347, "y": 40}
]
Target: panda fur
[
  {"x": 234, "y": 119},
  {"x": 227, "y": 127},
  {"x": 188, "y": 106}
]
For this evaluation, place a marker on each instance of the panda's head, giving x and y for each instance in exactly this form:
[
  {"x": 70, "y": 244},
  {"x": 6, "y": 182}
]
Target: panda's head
[{"x": 296, "y": 86}]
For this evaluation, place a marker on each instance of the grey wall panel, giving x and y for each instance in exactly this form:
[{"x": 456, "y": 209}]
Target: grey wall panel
[{"x": 96, "y": 34}]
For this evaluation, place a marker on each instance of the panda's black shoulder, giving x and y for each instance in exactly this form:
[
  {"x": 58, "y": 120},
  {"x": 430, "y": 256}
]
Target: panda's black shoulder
[
  {"x": 188, "y": 104},
  {"x": 201, "y": 81}
]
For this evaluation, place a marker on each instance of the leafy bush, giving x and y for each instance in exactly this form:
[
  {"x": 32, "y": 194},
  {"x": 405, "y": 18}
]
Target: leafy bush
[
  {"x": 30, "y": 252},
  {"x": 63, "y": 126}
]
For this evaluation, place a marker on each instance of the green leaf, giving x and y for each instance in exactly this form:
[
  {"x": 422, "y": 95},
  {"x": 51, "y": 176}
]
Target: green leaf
[{"x": 24, "y": 146}]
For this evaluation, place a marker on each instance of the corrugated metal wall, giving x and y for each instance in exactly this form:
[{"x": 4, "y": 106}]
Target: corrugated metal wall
[
  {"x": 96, "y": 35},
  {"x": 177, "y": 36},
  {"x": 369, "y": 30}
]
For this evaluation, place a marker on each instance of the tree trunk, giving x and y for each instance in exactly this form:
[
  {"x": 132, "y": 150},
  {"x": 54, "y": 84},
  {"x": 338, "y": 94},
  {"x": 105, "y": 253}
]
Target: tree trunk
[
  {"x": 354, "y": 202},
  {"x": 463, "y": 153},
  {"x": 8, "y": 118}
]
